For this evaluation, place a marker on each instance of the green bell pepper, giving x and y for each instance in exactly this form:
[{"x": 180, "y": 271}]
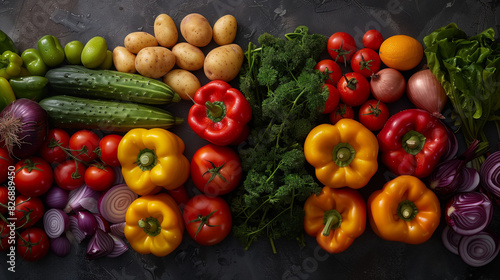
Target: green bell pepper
[
  {"x": 6, "y": 93},
  {"x": 33, "y": 61},
  {"x": 10, "y": 65},
  {"x": 6, "y": 43},
  {"x": 51, "y": 50},
  {"x": 31, "y": 87},
  {"x": 73, "y": 51}
]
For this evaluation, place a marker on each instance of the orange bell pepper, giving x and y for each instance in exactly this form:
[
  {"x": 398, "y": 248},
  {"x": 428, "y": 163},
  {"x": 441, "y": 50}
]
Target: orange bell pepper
[
  {"x": 336, "y": 217},
  {"x": 404, "y": 210}
]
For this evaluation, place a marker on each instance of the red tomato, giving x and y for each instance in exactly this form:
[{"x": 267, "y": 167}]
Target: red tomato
[
  {"x": 4, "y": 198},
  {"x": 53, "y": 150},
  {"x": 99, "y": 177},
  {"x": 83, "y": 145},
  {"x": 341, "y": 112},
  {"x": 333, "y": 69},
  {"x": 216, "y": 170},
  {"x": 354, "y": 89},
  {"x": 108, "y": 147},
  {"x": 372, "y": 39},
  {"x": 34, "y": 176},
  {"x": 4, "y": 236},
  {"x": 373, "y": 114},
  {"x": 5, "y": 162},
  {"x": 28, "y": 211},
  {"x": 208, "y": 219},
  {"x": 33, "y": 244},
  {"x": 333, "y": 99},
  {"x": 365, "y": 61},
  {"x": 69, "y": 174},
  {"x": 341, "y": 47}
]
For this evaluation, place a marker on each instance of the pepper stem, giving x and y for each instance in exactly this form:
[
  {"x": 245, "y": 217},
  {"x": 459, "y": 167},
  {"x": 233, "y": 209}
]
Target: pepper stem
[
  {"x": 413, "y": 142},
  {"x": 343, "y": 154},
  {"x": 332, "y": 220},
  {"x": 214, "y": 109},
  {"x": 146, "y": 159},
  {"x": 151, "y": 226},
  {"x": 407, "y": 210}
]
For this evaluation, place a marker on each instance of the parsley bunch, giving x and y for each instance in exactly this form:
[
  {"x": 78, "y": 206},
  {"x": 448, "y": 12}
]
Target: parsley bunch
[{"x": 287, "y": 98}]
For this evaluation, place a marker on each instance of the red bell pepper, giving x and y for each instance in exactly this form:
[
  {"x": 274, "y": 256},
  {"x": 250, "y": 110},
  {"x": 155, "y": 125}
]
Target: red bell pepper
[
  {"x": 220, "y": 113},
  {"x": 412, "y": 142}
]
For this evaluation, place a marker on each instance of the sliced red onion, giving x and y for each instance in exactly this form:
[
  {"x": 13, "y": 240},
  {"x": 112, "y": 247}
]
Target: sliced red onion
[
  {"x": 101, "y": 223},
  {"x": 55, "y": 222},
  {"x": 119, "y": 248},
  {"x": 100, "y": 245},
  {"x": 60, "y": 246},
  {"x": 114, "y": 203},
  {"x": 82, "y": 198},
  {"x": 469, "y": 213},
  {"x": 118, "y": 229},
  {"x": 479, "y": 249},
  {"x": 87, "y": 222},
  {"x": 470, "y": 180},
  {"x": 75, "y": 230},
  {"x": 56, "y": 197},
  {"x": 450, "y": 239},
  {"x": 490, "y": 174}
]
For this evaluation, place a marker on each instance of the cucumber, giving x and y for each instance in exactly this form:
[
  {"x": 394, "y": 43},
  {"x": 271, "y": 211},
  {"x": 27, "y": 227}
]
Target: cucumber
[
  {"x": 83, "y": 113},
  {"x": 80, "y": 81}
]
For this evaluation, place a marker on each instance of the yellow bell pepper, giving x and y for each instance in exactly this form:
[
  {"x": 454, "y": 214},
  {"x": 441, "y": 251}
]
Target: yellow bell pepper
[
  {"x": 154, "y": 225},
  {"x": 152, "y": 159},
  {"x": 343, "y": 155}
]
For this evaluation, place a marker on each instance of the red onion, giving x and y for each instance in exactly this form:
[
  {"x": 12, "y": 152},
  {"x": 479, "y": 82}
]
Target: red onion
[
  {"x": 387, "y": 85},
  {"x": 479, "y": 249},
  {"x": 490, "y": 174},
  {"x": 100, "y": 245},
  {"x": 60, "y": 246},
  {"x": 118, "y": 229},
  {"x": 450, "y": 239},
  {"x": 469, "y": 213},
  {"x": 426, "y": 92},
  {"x": 82, "y": 198},
  {"x": 76, "y": 232},
  {"x": 87, "y": 222},
  {"x": 119, "y": 248},
  {"x": 23, "y": 127},
  {"x": 470, "y": 180},
  {"x": 56, "y": 197},
  {"x": 452, "y": 147},
  {"x": 119, "y": 176},
  {"x": 114, "y": 203},
  {"x": 55, "y": 222},
  {"x": 101, "y": 223}
]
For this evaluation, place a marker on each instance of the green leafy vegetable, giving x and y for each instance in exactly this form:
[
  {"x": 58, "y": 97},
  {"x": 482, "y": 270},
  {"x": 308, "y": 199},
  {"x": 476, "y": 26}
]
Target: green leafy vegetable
[{"x": 286, "y": 97}]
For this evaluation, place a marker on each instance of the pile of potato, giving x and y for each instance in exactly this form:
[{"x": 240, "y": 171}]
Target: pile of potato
[{"x": 156, "y": 56}]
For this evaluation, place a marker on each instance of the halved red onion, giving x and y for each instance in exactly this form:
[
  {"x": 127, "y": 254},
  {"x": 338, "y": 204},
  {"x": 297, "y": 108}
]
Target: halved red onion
[
  {"x": 452, "y": 147},
  {"x": 118, "y": 229},
  {"x": 479, "y": 249},
  {"x": 102, "y": 223},
  {"x": 55, "y": 222},
  {"x": 87, "y": 222},
  {"x": 470, "y": 180},
  {"x": 450, "y": 239},
  {"x": 60, "y": 246},
  {"x": 76, "y": 232},
  {"x": 56, "y": 197},
  {"x": 119, "y": 248},
  {"x": 82, "y": 198},
  {"x": 469, "y": 213},
  {"x": 114, "y": 203},
  {"x": 100, "y": 245},
  {"x": 490, "y": 174}
]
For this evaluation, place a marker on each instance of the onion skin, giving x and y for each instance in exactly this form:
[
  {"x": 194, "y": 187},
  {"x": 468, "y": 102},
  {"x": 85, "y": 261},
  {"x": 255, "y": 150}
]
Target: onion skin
[
  {"x": 60, "y": 246},
  {"x": 387, "y": 85},
  {"x": 490, "y": 174},
  {"x": 469, "y": 213},
  {"x": 56, "y": 197},
  {"x": 426, "y": 92}
]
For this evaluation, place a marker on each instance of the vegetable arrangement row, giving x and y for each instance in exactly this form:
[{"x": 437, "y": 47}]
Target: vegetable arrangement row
[{"x": 303, "y": 153}]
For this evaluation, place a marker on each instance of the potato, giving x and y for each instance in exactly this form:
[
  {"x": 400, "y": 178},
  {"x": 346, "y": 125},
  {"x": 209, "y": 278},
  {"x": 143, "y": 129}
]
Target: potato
[
  {"x": 224, "y": 30},
  {"x": 123, "y": 60},
  {"x": 183, "y": 82},
  {"x": 188, "y": 57},
  {"x": 224, "y": 62},
  {"x": 154, "y": 62},
  {"x": 136, "y": 41},
  {"x": 165, "y": 31},
  {"x": 196, "y": 29}
]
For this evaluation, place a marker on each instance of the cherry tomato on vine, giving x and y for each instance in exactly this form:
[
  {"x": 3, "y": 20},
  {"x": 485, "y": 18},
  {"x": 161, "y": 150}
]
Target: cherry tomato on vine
[
  {"x": 354, "y": 89},
  {"x": 108, "y": 147},
  {"x": 333, "y": 99},
  {"x": 33, "y": 244},
  {"x": 4, "y": 199},
  {"x": 69, "y": 174},
  {"x": 83, "y": 145},
  {"x": 4, "y": 236},
  {"x": 5, "y": 162},
  {"x": 341, "y": 112},
  {"x": 28, "y": 211},
  {"x": 208, "y": 219},
  {"x": 341, "y": 47},
  {"x": 99, "y": 177},
  {"x": 372, "y": 39},
  {"x": 53, "y": 149},
  {"x": 373, "y": 114},
  {"x": 366, "y": 61},
  {"x": 34, "y": 176},
  {"x": 216, "y": 170},
  {"x": 333, "y": 69}
]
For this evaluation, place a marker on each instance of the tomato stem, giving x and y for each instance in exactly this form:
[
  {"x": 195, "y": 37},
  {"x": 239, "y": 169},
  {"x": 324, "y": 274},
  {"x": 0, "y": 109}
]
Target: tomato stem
[{"x": 204, "y": 220}]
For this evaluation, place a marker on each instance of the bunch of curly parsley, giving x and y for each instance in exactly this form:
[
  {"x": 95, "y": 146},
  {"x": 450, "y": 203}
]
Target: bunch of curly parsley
[{"x": 287, "y": 98}]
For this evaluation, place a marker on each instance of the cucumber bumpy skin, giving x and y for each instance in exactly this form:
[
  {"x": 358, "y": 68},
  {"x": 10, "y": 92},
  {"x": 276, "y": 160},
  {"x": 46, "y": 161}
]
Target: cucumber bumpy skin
[
  {"x": 82, "y": 113},
  {"x": 79, "y": 81}
]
